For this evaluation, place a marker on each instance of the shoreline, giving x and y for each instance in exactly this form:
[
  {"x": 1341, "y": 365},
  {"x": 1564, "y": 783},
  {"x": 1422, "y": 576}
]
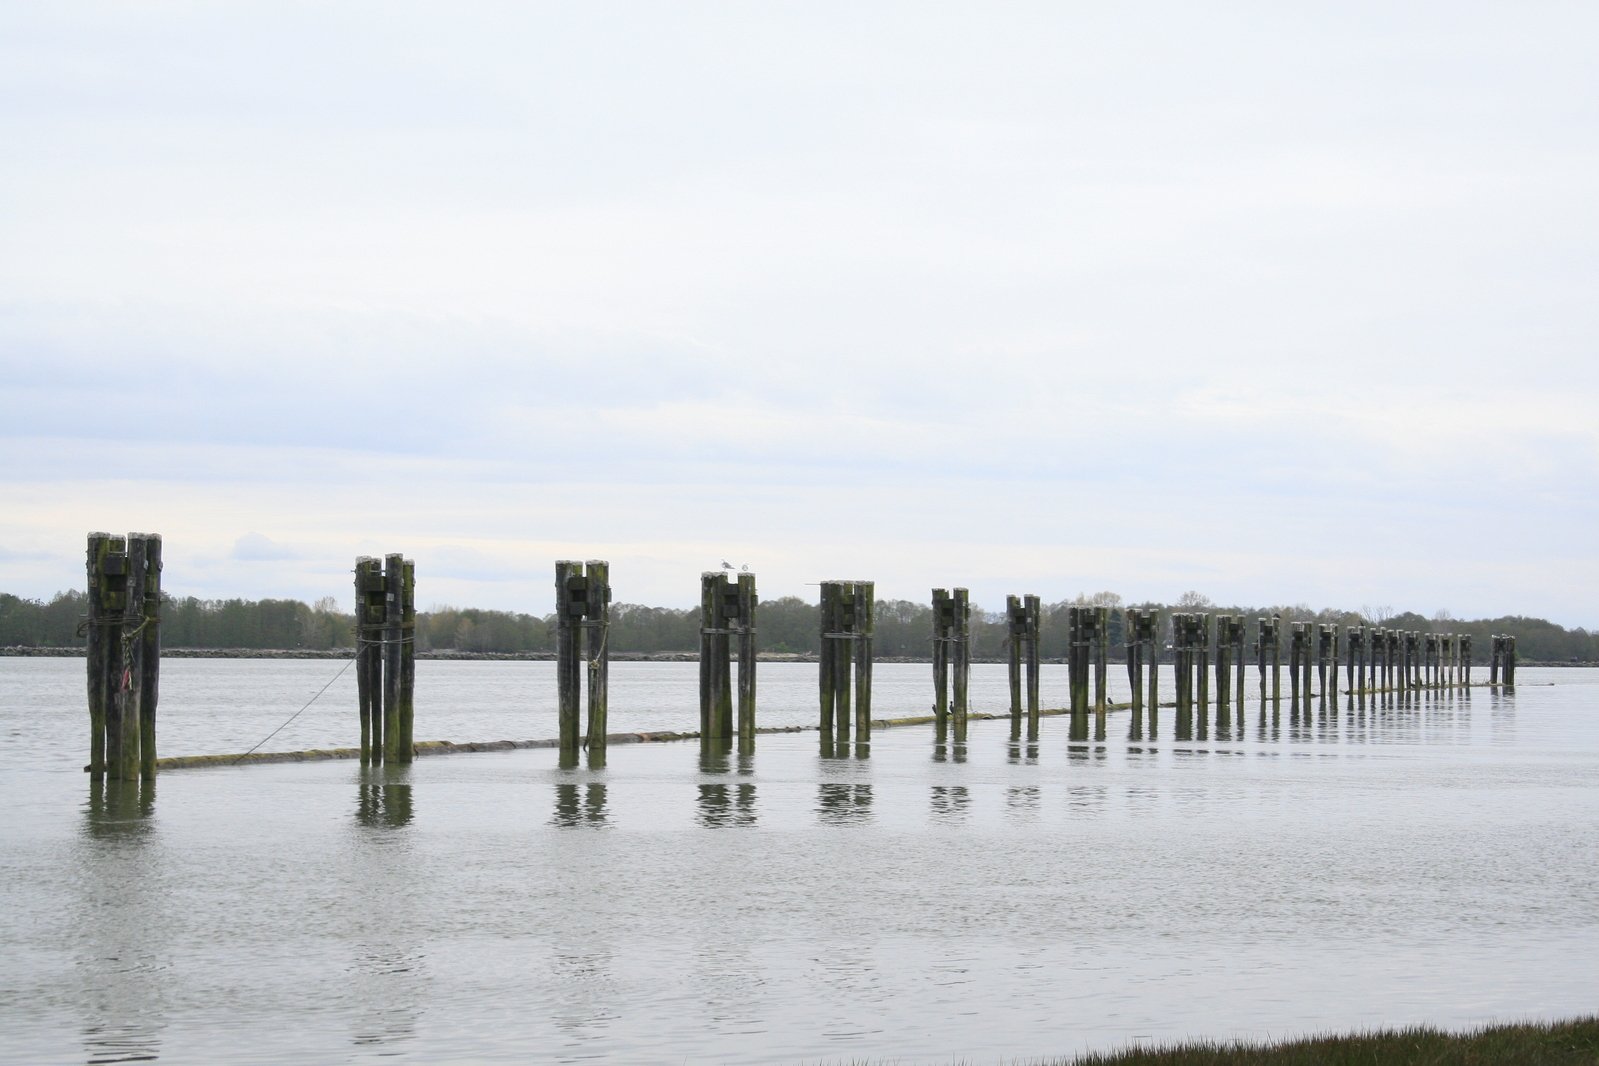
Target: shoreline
[{"x": 448, "y": 655}]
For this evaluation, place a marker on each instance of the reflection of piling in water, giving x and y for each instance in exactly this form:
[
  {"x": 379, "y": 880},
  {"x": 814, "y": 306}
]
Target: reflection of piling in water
[
  {"x": 727, "y": 610},
  {"x": 952, "y": 655},
  {"x": 119, "y": 807},
  {"x": 385, "y": 657},
  {"x": 383, "y": 796},
  {"x": 123, "y": 656},
  {"x": 1022, "y": 616},
  {"x": 846, "y": 618},
  {"x": 582, "y": 606}
]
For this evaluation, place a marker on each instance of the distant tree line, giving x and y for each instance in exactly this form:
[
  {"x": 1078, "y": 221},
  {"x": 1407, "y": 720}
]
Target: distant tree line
[{"x": 786, "y": 624}]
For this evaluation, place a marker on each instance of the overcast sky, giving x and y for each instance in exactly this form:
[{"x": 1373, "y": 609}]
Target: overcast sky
[{"x": 1283, "y": 303}]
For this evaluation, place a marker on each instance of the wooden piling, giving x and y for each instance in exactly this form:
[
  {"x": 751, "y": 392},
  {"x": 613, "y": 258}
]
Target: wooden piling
[
  {"x": 866, "y": 625},
  {"x": 1201, "y": 632},
  {"x": 1035, "y": 615},
  {"x": 393, "y": 593},
  {"x": 1296, "y": 658},
  {"x": 1465, "y": 660},
  {"x": 370, "y": 613},
  {"x": 1132, "y": 649},
  {"x": 943, "y": 619},
  {"x": 1015, "y": 636},
  {"x": 961, "y": 661},
  {"x": 127, "y": 764},
  {"x": 150, "y": 654},
  {"x": 1223, "y": 670},
  {"x": 709, "y": 664},
  {"x": 1077, "y": 666},
  {"x": 100, "y": 641},
  {"x": 597, "y": 648},
  {"x": 569, "y": 606},
  {"x": 1510, "y": 661},
  {"x": 747, "y": 601}
]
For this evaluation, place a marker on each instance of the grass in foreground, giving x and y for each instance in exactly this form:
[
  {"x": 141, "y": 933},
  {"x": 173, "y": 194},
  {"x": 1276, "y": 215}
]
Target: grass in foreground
[{"x": 1553, "y": 1044}]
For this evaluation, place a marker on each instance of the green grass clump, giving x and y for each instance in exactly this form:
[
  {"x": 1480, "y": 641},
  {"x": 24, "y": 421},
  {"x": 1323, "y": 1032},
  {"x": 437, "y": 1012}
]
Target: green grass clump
[{"x": 1552, "y": 1044}]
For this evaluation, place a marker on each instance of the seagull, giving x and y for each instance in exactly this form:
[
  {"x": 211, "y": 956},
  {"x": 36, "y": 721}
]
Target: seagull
[
  {"x": 745, "y": 568},
  {"x": 726, "y": 565}
]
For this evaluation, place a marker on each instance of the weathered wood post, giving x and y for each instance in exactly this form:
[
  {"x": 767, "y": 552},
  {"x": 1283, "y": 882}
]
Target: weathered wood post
[
  {"x": 1430, "y": 651},
  {"x": 1150, "y": 635},
  {"x": 1396, "y": 641},
  {"x": 370, "y": 614},
  {"x": 150, "y": 654},
  {"x": 961, "y": 663},
  {"x": 1015, "y": 639},
  {"x": 1378, "y": 639},
  {"x": 1035, "y": 617},
  {"x": 1510, "y": 660},
  {"x": 393, "y": 589},
  {"x": 1077, "y": 662},
  {"x": 865, "y": 596},
  {"x": 1131, "y": 648},
  {"x": 827, "y": 615},
  {"x": 107, "y": 564},
  {"x": 597, "y": 626},
  {"x": 1182, "y": 643},
  {"x": 1465, "y": 660},
  {"x": 1223, "y": 670},
  {"x": 582, "y": 604},
  {"x": 747, "y": 602},
  {"x": 943, "y": 620},
  {"x": 1296, "y": 658},
  {"x": 1276, "y": 661},
  {"x": 1201, "y": 632},
  {"x": 1262, "y": 650},
  {"x": 1326, "y": 638},
  {"x": 1101, "y": 668},
  {"x": 710, "y": 663},
  {"x": 1141, "y": 633}
]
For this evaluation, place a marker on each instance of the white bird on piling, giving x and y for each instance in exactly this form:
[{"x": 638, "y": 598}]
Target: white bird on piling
[{"x": 726, "y": 565}]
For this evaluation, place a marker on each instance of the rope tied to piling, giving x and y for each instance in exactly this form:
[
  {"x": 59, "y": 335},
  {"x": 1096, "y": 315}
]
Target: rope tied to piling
[{"x": 297, "y": 713}]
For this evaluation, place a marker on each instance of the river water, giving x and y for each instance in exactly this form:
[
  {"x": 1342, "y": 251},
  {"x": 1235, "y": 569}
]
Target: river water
[{"x": 1425, "y": 862}]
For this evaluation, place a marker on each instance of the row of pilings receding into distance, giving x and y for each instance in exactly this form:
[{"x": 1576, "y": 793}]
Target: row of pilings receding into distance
[{"x": 122, "y": 633}]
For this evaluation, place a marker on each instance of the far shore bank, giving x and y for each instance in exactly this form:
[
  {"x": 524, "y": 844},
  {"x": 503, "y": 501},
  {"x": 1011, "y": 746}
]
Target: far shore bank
[{"x": 446, "y": 654}]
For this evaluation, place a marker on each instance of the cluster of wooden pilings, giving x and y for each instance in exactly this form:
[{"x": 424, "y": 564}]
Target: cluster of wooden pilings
[
  {"x": 1190, "y": 665},
  {"x": 952, "y": 659},
  {"x": 1023, "y": 617},
  {"x": 727, "y": 611},
  {"x": 1141, "y": 635},
  {"x": 845, "y": 664},
  {"x": 1502, "y": 664},
  {"x": 1087, "y": 640},
  {"x": 124, "y": 653},
  {"x": 1378, "y": 659},
  {"x": 385, "y": 657},
  {"x": 582, "y": 606}
]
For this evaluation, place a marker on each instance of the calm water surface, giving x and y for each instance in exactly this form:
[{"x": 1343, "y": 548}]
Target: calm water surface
[{"x": 911, "y": 903}]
